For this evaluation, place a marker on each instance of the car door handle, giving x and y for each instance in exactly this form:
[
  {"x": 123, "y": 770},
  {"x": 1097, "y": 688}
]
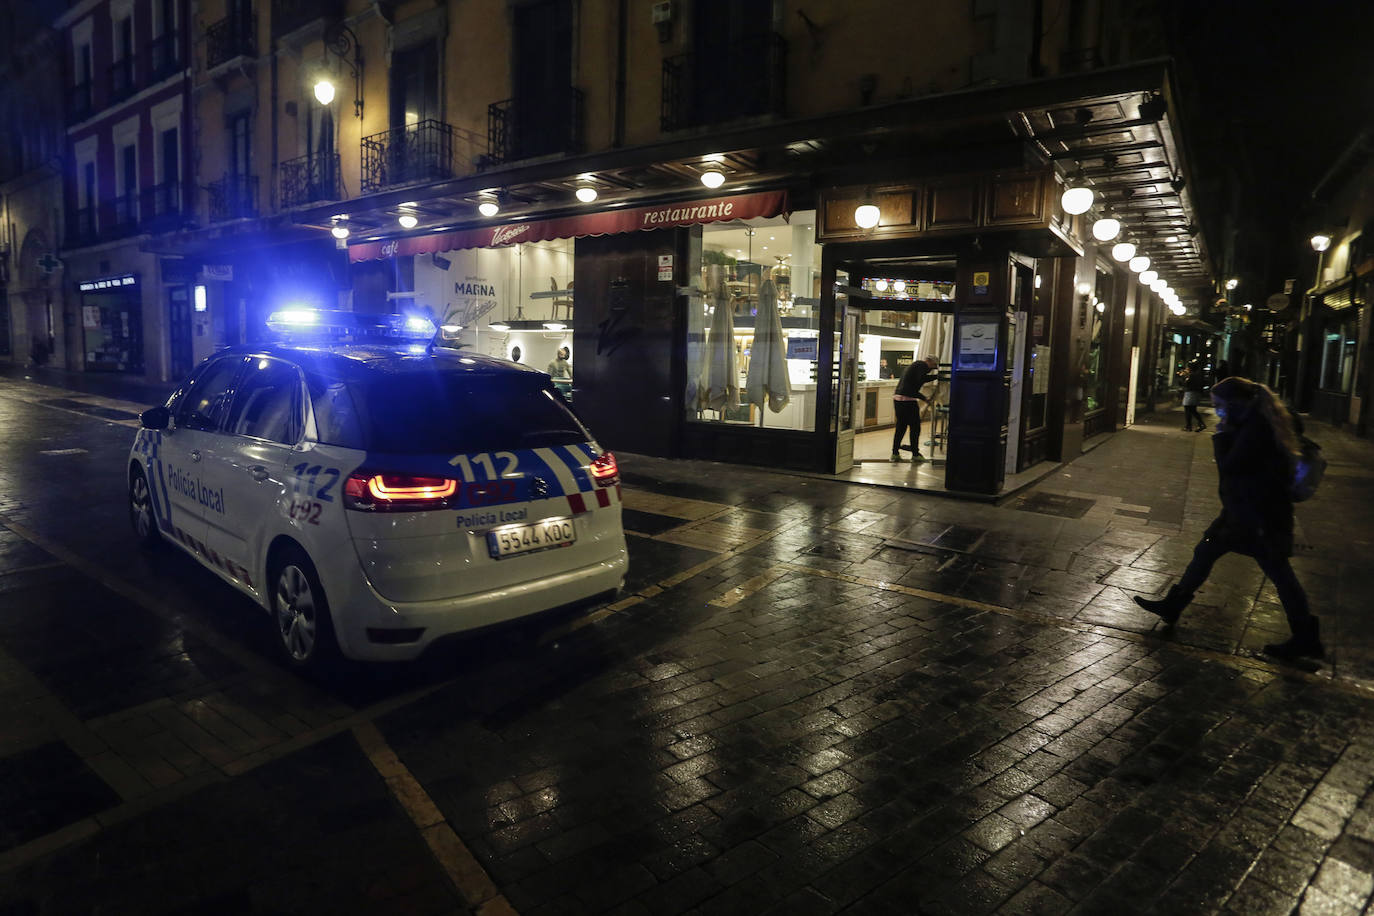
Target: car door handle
[
  {"x": 259, "y": 473},
  {"x": 195, "y": 454}
]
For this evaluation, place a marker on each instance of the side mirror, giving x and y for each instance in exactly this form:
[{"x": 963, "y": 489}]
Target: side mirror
[{"x": 155, "y": 418}]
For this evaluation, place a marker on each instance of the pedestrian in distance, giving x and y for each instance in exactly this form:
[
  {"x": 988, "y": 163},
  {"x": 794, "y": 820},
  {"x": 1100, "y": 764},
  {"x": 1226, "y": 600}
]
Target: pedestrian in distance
[
  {"x": 906, "y": 406},
  {"x": 1255, "y": 450},
  {"x": 1194, "y": 383}
]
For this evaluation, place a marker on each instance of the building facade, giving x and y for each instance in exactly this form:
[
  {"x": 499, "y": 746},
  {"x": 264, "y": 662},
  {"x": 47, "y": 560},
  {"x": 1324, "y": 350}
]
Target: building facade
[
  {"x": 128, "y": 178},
  {"x": 31, "y": 150},
  {"x": 677, "y": 193}
]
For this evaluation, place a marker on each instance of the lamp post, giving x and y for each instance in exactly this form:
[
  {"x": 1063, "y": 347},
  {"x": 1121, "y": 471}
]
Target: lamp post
[{"x": 1307, "y": 328}]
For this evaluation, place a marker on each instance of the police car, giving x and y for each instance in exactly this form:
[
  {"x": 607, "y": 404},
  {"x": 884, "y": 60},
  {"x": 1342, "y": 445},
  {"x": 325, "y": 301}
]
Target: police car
[{"x": 373, "y": 491}]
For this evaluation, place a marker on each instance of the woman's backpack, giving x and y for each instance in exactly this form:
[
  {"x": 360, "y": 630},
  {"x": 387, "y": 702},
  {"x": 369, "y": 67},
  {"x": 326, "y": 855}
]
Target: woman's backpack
[{"x": 1307, "y": 470}]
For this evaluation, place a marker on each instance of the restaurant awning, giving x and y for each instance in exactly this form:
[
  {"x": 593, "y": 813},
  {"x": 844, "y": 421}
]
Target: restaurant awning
[{"x": 607, "y": 222}]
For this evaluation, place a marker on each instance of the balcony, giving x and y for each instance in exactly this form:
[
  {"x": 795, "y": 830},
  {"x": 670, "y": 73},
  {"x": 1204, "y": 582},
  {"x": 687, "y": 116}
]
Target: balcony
[
  {"x": 121, "y": 80},
  {"x": 78, "y": 102},
  {"x": 290, "y": 15},
  {"x": 164, "y": 57},
  {"x": 310, "y": 179},
  {"x": 121, "y": 217},
  {"x": 747, "y": 80},
  {"x": 540, "y": 126},
  {"x": 231, "y": 37},
  {"x": 166, "y": 206},
  {"x": 81, "y": 227},
  {"x": 404, "y": 155},
  {"x": 233, "y": 197}
]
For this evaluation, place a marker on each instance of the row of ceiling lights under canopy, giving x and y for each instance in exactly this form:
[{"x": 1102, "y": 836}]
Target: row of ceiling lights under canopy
[
  {"x": 1077, "y": 200},
  {"x": 490, "y": 205}
]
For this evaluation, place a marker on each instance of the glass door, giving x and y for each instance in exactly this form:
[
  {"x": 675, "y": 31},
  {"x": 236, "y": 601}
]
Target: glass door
[{"x": 846, "y": 373}]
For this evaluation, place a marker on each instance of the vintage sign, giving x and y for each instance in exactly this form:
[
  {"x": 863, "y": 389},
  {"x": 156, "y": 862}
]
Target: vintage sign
[{"x": 608, "y": 222}]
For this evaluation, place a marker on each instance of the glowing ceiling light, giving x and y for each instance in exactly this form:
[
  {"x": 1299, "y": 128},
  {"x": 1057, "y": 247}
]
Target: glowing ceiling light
[
  {"x": 1123, "y": 251},
  {"x": 586, "y": 194},
  {"x": 1106, "y": 229},
  {"x": 713, "y": 178},
  {"x": 1148, "y": 276},
  {"x": 1085, "y": 287},
  {"x": 1158, "y": 284},
  {"x": 866, "y": 216},
  {"x": 1233, "y": 282},
  {"x": 488, "y": 208},
  {"x": 1078, "y": 197},
  {"x": 339, "y": 230},
  {"x": 407, "y": 220},
  {"x": 1139, "y": 263}
]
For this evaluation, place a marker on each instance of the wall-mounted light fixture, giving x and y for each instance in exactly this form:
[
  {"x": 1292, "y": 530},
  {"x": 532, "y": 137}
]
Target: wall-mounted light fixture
[
  {"x": 1232, "y": 283},
  {"x": 339, "y": 228},
  {"x": 341, "y": 41}
]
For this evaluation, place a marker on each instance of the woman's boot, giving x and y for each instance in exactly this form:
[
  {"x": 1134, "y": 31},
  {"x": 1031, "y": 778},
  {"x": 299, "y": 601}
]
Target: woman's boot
[
  {"x": 1304, "y": 643},
  {"x": 1169, "y": 607}
]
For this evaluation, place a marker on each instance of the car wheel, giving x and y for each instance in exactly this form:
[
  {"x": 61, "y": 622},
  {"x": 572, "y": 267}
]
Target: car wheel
[
  {"x": 141, "y": 510},
  {"x": 301, "y": 613}
]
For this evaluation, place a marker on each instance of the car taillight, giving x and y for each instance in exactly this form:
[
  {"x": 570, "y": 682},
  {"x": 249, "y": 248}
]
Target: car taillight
[
  {"x": 397, "y": 492},
  {"x": 604, "y": 470}
]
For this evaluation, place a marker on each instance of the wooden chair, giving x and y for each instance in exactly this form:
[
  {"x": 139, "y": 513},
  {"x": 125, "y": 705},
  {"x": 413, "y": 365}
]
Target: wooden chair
[{"x": 566, "y": 303}]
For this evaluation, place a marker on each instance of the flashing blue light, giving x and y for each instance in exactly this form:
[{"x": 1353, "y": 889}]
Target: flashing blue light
[{"x": 342, "y": 326}]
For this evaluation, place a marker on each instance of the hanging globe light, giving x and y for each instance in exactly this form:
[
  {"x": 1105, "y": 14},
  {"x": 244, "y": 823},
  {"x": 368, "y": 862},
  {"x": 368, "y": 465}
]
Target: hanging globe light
[
  {"x": 1106, "y": 229},
  {"x": 1123, "y": 251},
  {"x": 1139, "y": 263},
  {"x": 1148, "y": 276},
  {"x": 1158, "y": 284},
  {"x": 1078, "y": 197}
]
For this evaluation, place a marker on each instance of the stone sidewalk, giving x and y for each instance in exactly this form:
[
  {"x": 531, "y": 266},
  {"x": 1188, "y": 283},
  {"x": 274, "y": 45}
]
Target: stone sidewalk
[{"x": 819, "y": 697}]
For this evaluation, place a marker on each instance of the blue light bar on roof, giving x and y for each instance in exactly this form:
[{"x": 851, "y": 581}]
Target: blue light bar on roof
[{"x": 337, "y": 326}]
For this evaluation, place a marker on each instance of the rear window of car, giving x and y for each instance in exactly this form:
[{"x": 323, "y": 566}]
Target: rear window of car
[{"x": 444, "y": 412}]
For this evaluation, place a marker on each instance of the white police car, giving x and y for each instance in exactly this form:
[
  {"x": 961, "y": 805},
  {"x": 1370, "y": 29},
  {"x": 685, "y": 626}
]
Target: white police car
[{"x": 374, "y": 492}]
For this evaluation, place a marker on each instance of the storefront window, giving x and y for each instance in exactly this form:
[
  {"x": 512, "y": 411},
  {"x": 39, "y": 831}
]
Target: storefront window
[
  {"x": 754, "y": 322},
  {"x": 515, "y": 302},
  {"x": 1338, "y": 352},
  {"x": 1094, "y": 369}
]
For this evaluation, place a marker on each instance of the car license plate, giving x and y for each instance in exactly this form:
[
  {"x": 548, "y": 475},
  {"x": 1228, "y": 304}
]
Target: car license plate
[{"x": 518, "y": 539}]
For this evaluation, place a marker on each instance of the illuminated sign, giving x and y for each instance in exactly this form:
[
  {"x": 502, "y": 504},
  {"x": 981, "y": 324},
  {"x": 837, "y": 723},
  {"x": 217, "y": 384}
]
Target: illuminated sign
[{"x": 90, "y": 286}]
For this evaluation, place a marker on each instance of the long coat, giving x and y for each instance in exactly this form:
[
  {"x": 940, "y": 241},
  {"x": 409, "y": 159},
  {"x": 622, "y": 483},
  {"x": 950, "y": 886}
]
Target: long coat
[{"x": 1253, "y": 476}]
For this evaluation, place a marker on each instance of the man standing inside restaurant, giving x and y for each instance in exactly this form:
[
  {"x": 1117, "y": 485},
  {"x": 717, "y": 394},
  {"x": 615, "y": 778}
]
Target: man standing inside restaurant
[{"x": 906, "y": 406}]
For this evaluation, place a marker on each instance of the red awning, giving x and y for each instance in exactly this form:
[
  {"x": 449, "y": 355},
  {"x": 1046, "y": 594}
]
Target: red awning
[{"x": 608, "y": 222}]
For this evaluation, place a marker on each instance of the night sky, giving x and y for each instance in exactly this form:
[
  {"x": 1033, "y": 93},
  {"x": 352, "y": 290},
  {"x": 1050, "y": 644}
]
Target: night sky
[{"x": 1281, "y": 89}]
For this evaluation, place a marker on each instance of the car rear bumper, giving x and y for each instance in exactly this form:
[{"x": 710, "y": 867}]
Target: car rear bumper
[{"x": 360, "y": 609}]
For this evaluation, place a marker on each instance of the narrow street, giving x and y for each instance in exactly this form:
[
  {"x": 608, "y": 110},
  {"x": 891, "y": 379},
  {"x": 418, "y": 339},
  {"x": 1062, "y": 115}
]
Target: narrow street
[{"x": 814, "y": 697}]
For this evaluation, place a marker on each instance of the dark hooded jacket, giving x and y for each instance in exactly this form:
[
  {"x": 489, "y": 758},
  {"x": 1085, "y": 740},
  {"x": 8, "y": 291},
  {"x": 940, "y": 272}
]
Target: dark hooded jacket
[{"x": 1253, "y": 476}]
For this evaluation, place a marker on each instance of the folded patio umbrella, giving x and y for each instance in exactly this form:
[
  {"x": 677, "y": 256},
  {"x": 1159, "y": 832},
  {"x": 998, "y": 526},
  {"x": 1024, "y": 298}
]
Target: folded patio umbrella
[
  {"x": 767, "y": 382},
  {"x": 722, "y": 386}
]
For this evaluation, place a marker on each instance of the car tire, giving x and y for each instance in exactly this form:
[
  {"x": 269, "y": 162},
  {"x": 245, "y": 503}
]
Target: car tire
[
  {"x": 300, "y": 613},
  {"x": 141, "y": 514}
]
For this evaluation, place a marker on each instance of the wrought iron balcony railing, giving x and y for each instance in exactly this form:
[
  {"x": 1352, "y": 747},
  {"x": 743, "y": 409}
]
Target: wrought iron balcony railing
[
  {"x": 404, "y": 155},
  {"x": 525, "y": 128},
  {"x": 164, "y": 57},
  {"x": 81, "y": 227},
  {"x": 231, "y": 37},
  {"x": 311, "y": 178},
  {"x": 233, "y": 197},
  {"x": 748, "y": 79},
  {"x": 121, "y": 218},
  {"x": 78, "y": 102},
  {"x": 289, "y": 15},
  {"x": 121, "y": 79},
  {"x": 166, "y": 206}
]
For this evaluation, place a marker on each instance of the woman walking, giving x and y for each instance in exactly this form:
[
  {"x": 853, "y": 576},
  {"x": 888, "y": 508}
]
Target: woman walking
[{"x": 1255, "y": 449}]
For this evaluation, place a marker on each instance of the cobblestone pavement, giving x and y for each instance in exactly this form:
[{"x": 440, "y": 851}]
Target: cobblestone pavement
[{"x": 817, "y": 697}]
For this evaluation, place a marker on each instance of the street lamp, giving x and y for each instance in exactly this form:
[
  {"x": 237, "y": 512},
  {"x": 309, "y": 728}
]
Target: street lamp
[
  {"x": 340, "y": 40},
  {"x": 1321, "y": 242}
]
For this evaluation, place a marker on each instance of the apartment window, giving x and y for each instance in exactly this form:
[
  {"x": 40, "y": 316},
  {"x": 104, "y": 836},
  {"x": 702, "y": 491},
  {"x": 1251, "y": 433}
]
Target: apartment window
[
  {"x": 240, "y": 144},
  {"x": 415, "y": 84},
  {"x": 126, "y": 212}
]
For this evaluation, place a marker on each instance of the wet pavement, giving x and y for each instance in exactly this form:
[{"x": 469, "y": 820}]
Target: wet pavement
[{"x": 815, "y": 697}]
